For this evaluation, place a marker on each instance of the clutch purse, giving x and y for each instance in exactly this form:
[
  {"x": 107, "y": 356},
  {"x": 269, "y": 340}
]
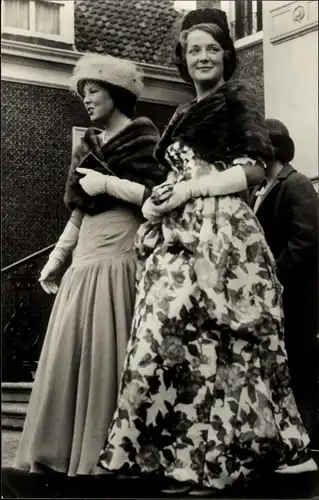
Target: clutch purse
[{"x": 92, "y": 162}]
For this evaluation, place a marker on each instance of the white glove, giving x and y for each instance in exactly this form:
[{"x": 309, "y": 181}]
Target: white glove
[
  {"x": 93, "y": 183},
  {"x": 48, "y": 275},
  {"x": 57, "y": 257},
  {"x": 162, "y": 192},
  {"x": 151, "y": 211},
  {"x": 171, "y": 197},
  {"x": 232, "y": 180},
  {"x": 125, "y": 190}
]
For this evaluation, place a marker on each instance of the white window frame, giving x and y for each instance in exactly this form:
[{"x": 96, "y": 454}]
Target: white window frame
[
  {"x": 66, "y": 22},
  {"x": 77, "y": 134},
  {"x": 229, "y": 7}
]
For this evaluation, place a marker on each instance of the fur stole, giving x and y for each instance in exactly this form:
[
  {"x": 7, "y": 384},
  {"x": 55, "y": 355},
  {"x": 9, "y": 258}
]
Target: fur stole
[
  {"x": 221, "y": 127},
  {"x": 129, "y": 155}
]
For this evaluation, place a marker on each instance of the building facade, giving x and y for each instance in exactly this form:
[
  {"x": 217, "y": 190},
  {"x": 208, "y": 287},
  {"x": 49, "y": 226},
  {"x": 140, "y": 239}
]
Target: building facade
[
  {"x": 291, "y": 75},
  {"x": 42, "y": 121}
]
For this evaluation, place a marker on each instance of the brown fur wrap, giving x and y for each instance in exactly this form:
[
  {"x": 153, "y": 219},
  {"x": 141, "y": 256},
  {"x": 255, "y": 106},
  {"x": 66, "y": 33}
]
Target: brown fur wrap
[
  {"x": 222, "y": 126},
  {"x": 129, "y": 155}
]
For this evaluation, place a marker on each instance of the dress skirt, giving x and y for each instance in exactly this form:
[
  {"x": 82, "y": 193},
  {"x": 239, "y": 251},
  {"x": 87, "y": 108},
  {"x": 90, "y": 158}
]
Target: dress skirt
[
  {"x": 76, "y": 383},
  {"x": 205, "y": 396}
]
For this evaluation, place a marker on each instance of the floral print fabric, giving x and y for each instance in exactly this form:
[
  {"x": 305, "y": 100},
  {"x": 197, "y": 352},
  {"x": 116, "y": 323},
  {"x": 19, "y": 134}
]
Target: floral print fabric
[{"x": 205, "y": 395}]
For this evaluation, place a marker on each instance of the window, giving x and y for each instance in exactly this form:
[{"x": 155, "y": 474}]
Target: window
[
  {"x": 53, "y": 19},
  {"x": 248, "y": 18}
]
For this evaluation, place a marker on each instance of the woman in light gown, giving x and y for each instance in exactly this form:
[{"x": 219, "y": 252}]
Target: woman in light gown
[{"x": 76, "y": 383}]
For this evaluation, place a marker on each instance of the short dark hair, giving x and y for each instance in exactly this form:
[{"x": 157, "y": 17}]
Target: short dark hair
[
  {"x": 123, "y": 100},
  {"x": 283, "y": 144}
]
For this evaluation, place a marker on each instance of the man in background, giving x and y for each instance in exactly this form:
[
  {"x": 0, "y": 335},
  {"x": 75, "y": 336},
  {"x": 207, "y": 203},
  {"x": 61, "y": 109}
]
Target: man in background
[{"x": 287, "y": 207}]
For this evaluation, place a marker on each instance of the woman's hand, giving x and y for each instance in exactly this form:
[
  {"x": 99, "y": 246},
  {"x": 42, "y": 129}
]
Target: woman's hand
[
  {"x": 93, "y": 183},
  {"x": 171, "y": 196},
  {"x": 166, "y": 198},
  {"x": 162, "y": 192},
  {"x": 151, "y": 211},
  {"x": 48, "y": 275}
]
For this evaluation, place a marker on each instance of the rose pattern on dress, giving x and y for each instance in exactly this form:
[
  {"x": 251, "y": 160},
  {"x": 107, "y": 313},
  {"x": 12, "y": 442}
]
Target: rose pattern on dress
[{"x": 205, "y": 396}]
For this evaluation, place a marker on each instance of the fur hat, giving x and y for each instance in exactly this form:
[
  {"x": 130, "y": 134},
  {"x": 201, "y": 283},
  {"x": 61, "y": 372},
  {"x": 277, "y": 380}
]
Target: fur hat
[
  {"x": 206, "y": 17},
  {"x": 283, "y": 144},
  {"x": 108, "y": 70}
]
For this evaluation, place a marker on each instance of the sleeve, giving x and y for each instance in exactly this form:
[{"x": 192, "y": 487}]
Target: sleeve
[
  {"x": 302, "y": 247},
  {"x": 76, "y": 218},
  {"x": 249, "y": 135},
  {"x": 254, "y": 169}
]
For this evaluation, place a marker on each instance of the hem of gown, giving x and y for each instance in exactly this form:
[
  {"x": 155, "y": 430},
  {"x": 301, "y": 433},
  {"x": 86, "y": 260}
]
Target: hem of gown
[{"x": 43, "y": 468}]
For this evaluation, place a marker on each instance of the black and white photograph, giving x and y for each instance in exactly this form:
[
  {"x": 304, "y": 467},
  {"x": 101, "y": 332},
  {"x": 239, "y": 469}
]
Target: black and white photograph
[{"x": 160, "y": 249}]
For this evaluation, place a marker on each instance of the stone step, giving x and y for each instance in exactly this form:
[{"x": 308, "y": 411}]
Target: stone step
[
  {"x": 15, "y": 399},
  {"x": 13, "y": 415},
  {"x": 16, "y": 392}
]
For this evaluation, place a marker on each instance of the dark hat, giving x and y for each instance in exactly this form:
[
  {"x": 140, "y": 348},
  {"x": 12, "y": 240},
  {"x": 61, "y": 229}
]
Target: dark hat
[
  {"x": 208, "y": 16},
  {"x": 199, "y": 16},
  {"x": 283, "y": 144}
]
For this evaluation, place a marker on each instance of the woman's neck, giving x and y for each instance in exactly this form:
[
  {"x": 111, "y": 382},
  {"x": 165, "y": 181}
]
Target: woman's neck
[
  {"x": 273, "y": 169},
  {"x": 115, "y": 123},
  {"x": 203, "y": 91}
]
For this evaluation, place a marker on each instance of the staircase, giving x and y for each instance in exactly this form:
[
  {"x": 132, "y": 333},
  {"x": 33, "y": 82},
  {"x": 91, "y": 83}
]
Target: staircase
[{"x": 15, "y": 398}]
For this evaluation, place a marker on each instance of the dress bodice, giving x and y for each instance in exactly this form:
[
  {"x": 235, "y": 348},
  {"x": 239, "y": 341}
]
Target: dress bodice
[{"x": 186, "y": 164}]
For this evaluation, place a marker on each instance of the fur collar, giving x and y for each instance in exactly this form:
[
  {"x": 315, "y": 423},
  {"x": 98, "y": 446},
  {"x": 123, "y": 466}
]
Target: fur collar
[
  {"x": 129, "y": 155},
  {"x": 220, "y": 127}
]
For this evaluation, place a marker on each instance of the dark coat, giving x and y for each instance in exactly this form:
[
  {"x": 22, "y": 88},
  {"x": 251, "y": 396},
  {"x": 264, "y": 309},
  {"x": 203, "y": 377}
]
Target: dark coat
[
  {"x": 289, "y": 216},
  {"x": 224, "y": 125}
]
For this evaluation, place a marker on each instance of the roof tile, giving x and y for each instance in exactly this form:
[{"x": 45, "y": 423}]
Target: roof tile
[{"x": 143, "y": 30}]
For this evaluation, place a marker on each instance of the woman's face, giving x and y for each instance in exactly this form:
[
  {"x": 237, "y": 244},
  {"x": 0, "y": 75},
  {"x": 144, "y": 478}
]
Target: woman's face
[
  {"x": 97, "y": 102},
  {"x": 204, "y": 59}
]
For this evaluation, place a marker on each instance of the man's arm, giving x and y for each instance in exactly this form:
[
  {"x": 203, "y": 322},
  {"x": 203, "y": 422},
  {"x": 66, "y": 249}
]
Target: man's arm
[{"x": 303, "y": 211}]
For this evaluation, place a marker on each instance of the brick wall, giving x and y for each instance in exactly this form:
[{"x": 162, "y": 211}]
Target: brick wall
[
  {"x": 36, "y": 147},
  {"x": 250, "y": 67}
]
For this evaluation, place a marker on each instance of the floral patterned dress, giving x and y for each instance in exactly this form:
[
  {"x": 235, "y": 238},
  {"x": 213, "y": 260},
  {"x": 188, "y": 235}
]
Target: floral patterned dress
[{"x": 205, "y": 396}]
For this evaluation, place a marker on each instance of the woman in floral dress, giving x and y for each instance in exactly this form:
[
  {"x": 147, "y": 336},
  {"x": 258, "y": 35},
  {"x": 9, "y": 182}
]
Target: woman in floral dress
[{"x": 205, "y": 396}]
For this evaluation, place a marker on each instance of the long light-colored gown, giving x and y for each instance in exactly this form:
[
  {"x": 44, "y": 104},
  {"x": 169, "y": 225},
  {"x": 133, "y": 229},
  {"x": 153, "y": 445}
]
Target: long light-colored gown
[{"x": 75, "y": 389}]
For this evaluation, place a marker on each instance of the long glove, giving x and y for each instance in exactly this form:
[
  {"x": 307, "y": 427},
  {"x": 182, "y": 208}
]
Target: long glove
[
  {"x": 95, "y": 183},
  {"x": 232, "y": 180},
  {"x": 62, "y": 250},
  {"x": 151, "y": 211}
]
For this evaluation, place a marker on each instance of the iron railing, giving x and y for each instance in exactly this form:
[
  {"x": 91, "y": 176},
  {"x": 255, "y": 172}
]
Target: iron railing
[{"x": 25, "y": 311}]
